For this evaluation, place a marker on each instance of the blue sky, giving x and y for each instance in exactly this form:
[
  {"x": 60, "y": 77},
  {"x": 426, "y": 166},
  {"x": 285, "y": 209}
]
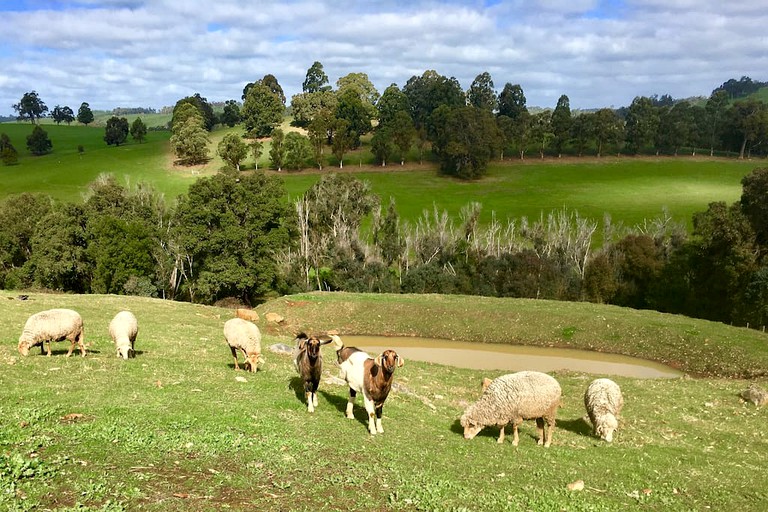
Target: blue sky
[{"x": 150, "y": 53}]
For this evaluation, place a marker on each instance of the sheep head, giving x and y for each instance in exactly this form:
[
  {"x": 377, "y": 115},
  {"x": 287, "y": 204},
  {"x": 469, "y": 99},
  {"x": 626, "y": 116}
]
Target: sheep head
[
  {"x": 605, "y": 427},
  {"x": 124, "y": 352},
  {"x": 23, "y": 348},
  {"x": 470, "y": 429},
  {"x": 253, "y": 362},
  {"x": 486, "y": 383},
  {"x": 389, "y": 360}
]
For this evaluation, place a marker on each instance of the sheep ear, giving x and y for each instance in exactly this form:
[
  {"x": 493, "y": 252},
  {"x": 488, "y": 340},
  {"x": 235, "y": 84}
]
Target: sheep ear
[
  {"x": 377, "y": 361},
  {"x": 400, "y": 361}
]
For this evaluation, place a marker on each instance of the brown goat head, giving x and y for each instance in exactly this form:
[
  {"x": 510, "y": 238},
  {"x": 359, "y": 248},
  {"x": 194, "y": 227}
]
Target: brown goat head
[{"x": 389, "y": 360}]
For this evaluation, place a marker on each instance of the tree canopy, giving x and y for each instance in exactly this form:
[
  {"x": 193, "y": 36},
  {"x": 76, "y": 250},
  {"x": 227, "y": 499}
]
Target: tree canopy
[{"x": 30, "y": 107}]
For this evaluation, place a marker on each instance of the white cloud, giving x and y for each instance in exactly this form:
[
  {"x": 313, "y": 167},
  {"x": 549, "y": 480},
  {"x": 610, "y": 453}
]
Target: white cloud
[{"x": 153, "y": 52}]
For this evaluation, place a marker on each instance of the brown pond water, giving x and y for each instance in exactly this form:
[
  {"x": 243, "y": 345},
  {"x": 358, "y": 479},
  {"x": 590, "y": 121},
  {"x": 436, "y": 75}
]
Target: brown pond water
[{"x": 493, "y": 356}]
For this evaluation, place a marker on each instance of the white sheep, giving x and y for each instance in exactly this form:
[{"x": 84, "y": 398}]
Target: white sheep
[
  {"x": 245, "y": 336},
  {"x": 513, "y": 398},
  {"x": 52, "y": 325},
  {"x": 123, "y": 329},
  {"x": 603, "y": 401}
]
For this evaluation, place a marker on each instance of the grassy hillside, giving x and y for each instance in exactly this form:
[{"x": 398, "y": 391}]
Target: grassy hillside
[
  {"x": 629, "y": 189},
  {"x": 177, "y": 429}
]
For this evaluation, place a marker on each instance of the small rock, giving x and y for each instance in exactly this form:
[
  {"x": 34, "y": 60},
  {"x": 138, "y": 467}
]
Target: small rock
[
  {"x": 274, "y": 317},
  {"x": 578, "y": 485},
  {"x": 755, "y": 394},
  {"x": 280, "y": 348},
  {"x": 241, "y": 379}
]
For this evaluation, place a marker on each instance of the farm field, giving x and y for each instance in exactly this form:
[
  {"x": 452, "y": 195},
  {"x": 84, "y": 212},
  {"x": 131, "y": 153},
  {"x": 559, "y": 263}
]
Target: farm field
[
  {"x": 628, "y": 189},
  {"x": 177, "y": 429}
]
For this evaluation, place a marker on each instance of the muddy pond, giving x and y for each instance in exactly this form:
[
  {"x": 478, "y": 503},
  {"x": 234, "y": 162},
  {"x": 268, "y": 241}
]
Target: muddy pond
[{"x": 492, "y": 356}]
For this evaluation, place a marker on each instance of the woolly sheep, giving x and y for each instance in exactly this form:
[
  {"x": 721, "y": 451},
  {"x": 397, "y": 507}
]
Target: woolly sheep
[
  {"x": 123, "y": 329},
  {"x": 513, "y": 398},
  {"x": 245, "y": 336},
  {"x": 52, "y": 325},
  {"x": 603, "y": 401}
]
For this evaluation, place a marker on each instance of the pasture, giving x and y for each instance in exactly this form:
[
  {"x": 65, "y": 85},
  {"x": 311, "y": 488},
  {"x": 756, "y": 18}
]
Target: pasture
[
  {"x": 629, "y": 190},
  {"x": 177, "y": 428}
]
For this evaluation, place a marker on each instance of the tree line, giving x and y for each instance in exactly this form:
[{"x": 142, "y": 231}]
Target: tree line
[
  {"x": 461, "y": 130},
  {"x": 233, "y": 237}
]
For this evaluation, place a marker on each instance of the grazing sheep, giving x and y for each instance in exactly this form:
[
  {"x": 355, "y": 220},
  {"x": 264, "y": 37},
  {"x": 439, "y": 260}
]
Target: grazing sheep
[
  {"x": 513, "y": 398},
  {"x": 242, "y": 334},
  {"x": 603, "y": 401},
  {"x": 123, "y": 329},
  {"x": 52, "y": 325},
  {"x": 308, "y": 361},
  {"x": 369, "y": 376},
  {"x": 755, "y": 394}
]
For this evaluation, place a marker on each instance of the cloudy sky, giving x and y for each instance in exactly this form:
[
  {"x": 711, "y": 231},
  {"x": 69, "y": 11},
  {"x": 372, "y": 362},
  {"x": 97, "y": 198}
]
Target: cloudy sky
[{"x": 151, "y": 53}]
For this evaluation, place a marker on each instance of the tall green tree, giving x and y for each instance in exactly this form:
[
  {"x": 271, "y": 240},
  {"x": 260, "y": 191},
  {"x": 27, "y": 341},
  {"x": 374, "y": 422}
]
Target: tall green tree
[
  {"x": 320, "y": 131},
  {"x": 233, "y": 150},
  {"x": 8, "y": 153},
  {"x": 190, "y": 142},
  {"x": 231, "y": 114},
  {"x": 38, "y": 142},
  {"x": 116, "y": 131},
  {"x": 383, "y": 145},
  {"x": 512, "y": 102},
  {"x": 343, "y": 140},
  {"x": 351, "y": 109},
  {"x": 84, "y": 114},
  {"x": 305, "y": 106},
  {"x": 257, "y": 149},
  {"x": 22, "y": 215},
  {"x": 62, "y": 114},
  {"x": 582, "y": 130},
  {"x": 481, "y": 93},
  {"x": 316, "y": 80},
  {"x": 359, "y": 84},
  {"x": 138, "y": 130},
  {"x": 747, "y": 123},
  {"x": 30, "y": 107},
  {"x": 717, "y": 104},
  {"x": 541, "y": 131},
  {"x": 754, "y": 190},
  {"x": 277, "y": 149},
  {"x": 298, "y": 150},
  {"x": 203, "y": 107},
  {"x": 642, "y": 124},
  {"x": 561, "y": 123},
  {"x": 392, "y": 101},
  {"x": 466, "y": 142},
  {"x": 606, "y": 128},
  {"x": 676, "y": 127},
  {"x": 229, "y": 229},
  {"x": 262, "y": 111},
  {"x": 429, "y": 91},
  {"x": 403, "y": 133}
]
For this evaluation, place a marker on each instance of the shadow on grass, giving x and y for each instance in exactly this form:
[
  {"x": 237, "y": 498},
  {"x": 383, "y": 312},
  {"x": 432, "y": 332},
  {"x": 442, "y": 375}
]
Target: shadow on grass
[
  {"x": 577, "y": 426},
  {"x": 340, "y": 402}
]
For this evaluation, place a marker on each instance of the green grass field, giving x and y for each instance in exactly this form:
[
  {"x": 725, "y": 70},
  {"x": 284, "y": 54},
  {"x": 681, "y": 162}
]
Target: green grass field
[
  {"x": 176, "y": 429},
  {"x": 629, "y": 189}
]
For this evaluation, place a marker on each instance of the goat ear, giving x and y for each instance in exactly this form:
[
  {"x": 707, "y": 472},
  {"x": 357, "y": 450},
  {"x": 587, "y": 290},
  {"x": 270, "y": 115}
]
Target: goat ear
[
  {"x": 325, "y": 342},
  {"x": 377, "y": 361},
  {"x": 400, "y": 361}
]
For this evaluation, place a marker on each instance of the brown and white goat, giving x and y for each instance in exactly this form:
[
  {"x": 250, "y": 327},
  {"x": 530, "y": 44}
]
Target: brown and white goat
[
  {"x": 308, "y": 361},
  {"x": 370, "y": 376}
]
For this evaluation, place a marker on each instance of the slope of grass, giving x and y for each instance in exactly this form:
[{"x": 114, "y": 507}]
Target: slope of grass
[{"x": 177, "y": 429}]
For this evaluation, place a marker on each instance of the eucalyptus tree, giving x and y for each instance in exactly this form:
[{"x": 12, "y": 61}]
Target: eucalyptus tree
[
  {"x": 298, "y": 150},
  {"x": 362, "y": 86},
  {"x": 233, "y": 150},
  {"x": 38, "y": 141},
  {"x": 231, "y": 113},
  {"x": 512, "y": 102},
  {"x": 642, "y": 124},
  {"x": 561, "y": 123},
  {"x": 716, "y": 107},
  {"x": 30, "y": 107},
  {"x": 116, "y": 131},
  {"x": 467, "y": 140},
  {"x": 305, "y": 106},
  {"x": 190, "y": 141},
  {"x": 351, "y": 108},
  {"x": 277, "y": 149},
  {"x": 62, "y": 114},
  {"x": 429, "y": 91},
  {"x": 392, "y": 101},
  {"x": 138, "y": 130},
  {"x": 262, "y": 111},
  {"x": 481, "y": 93},
  {"x": 84, "y": 114},
  {"x": 315, "y": 80},
  {"x": 606, "y": 128},
  {"x": 747, "y": 123},
  {"x": 204, "y": 108}
]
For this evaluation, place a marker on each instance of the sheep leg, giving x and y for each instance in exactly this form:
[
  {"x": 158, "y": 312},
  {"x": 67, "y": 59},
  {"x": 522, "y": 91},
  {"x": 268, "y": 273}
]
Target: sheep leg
[
  {"x": 47, "y": 347},
  {"x": 351, "y": 403},
  {"x": 379, "y": 412},
  {"x": 81, "y": 345},
  {"x": 234, "y": 354},
  {"x": 370, "y": 408},
  {"x": 501, "y": 434},
  {"x": 515, "y": 438},
  {"x": 540, "y": 431},
  {"x": 71, "y": 347},
  {"x": 550, "y": 431}
]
